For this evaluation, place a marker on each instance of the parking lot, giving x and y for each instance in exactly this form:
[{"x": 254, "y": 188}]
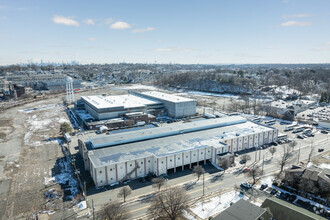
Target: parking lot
[{"x": 317, "y": 114}]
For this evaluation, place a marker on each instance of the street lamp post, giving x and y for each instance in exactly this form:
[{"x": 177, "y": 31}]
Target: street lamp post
[{"x": 203, "y": 184}]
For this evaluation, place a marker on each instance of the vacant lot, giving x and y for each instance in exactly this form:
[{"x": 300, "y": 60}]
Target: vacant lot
[{"x": 32, "y": 163}]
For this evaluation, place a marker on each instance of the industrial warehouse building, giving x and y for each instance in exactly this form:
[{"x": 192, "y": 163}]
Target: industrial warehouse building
[
  {"x": 107, "y": 107},
  {"x": 117, "y": 157},
  {"x": 177, "y": 106}
]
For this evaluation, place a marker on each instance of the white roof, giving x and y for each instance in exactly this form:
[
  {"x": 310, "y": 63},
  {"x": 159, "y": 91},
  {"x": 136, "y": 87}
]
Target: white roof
[
  {"x": 169, "y": 145},
  {"x": 126, "y": 101},
  {"x": 167, "y": 97},
  {"x": 174, "y": 129}
]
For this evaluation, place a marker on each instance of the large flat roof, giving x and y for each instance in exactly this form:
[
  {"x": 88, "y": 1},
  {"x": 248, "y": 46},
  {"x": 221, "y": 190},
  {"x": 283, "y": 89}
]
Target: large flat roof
[
  {"x": 174, "y": 144},
  {"x": 173, "y": 129},
  {"x": 166, "y": 96},
  {"x": 125, "y": 101}
]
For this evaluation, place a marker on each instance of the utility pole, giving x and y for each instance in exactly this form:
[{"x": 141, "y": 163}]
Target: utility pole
[
  {"x": 263, "y": 162},
  {"x": 93, "y": 209},
  {"x": 204, "y": 108},
  {"x": 85, "y": 191},
  {"x": 299, "y": 153},
  {"x": 259, "y": 153},
  {"x": 203, "y": 184},
  {"x": 255, "y": 157}
]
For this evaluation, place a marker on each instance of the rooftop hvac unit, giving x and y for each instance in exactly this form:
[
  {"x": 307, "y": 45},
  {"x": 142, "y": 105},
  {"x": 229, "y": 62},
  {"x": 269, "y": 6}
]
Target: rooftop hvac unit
[{"x": 90, "y": 153}]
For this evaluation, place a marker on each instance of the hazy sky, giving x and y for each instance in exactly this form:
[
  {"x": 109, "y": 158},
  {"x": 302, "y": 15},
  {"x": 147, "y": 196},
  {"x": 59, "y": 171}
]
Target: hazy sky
[{"x": 177, "y": 31}]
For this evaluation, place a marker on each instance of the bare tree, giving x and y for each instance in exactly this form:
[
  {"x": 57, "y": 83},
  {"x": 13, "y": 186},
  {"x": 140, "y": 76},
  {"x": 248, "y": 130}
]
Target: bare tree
[
  {"x": 285, "y": 158},
  {"x": 256, "y": 174},
  {"x": 224, "y": 164},
  {"x": 310, "y": 153},
  {"x": 169, "y": 204},
  {"x": 124, "y": 192},
  {"x": 292, "y": 145},
  {"x": 198, "y": 171},
  {"x": 272, "y": 150},
  {"x": 158, "y": 182},
  {"x": 244, "y": 158},
  {"x": 113, "y": 211}
]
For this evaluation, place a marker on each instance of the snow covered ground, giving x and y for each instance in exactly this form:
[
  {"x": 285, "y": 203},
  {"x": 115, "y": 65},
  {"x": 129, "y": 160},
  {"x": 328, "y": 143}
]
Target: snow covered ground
[
  {"x": 65, "y": 177},
  {"x": 225, "y": 95},
  {"x": 40, "y": 121},
  {"x": 216, "y": 204},
  {"x": 266, "y": 179},
  {"x": 139, "y": 86},
  {"x": 322, "y": 165}
]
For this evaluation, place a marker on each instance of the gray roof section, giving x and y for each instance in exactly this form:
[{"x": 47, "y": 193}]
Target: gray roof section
[
  {"x": 173, "y": 129},
  {"x": 240, "y": 210},
  {"x": 170, "y": 145}
]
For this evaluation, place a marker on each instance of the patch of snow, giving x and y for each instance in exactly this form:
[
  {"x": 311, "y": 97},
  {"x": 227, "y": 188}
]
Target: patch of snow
[
  {"x": 226, "y": 95},
  {"x": 139, "y": 86},
  {"x": 84, "y": 215},
  {"x": 65, "y": 177},
  {"x": 326, "y": 157},
  {"x": 268, "y": 180},
  {"x": 188, "y": 216},
  {"x": 80, "y": 206},
  {"x": 256, "y": 203},
  {"x": 324, "y": 166},
  {"x": 50, "y": 212},
  {"x": 48, "y": 180},
  {"x": 216, "y": 204}
]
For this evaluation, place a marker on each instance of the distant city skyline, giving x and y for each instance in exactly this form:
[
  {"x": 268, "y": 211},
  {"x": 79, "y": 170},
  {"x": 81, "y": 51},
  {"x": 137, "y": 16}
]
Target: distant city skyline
[{"x": 146, "y": 31}]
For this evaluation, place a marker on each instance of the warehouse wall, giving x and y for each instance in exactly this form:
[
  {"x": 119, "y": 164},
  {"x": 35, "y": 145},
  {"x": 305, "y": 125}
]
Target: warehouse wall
[{"x": 113, "y": 173}]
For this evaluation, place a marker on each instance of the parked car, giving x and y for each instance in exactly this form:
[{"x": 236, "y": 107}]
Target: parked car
[
  {"x": 324, "y": 132},
  {"x": 263, "y": 186},
  {"x": 300, "y": 136},
  {"x": 285, "y": 195},
  {"x": 246, "y": 169},
  {"x": 320, "y": 150},
  {"x": 278, "y": 194},
  {"x": 273, "y": 192},
  {"x": 292, "y": 198},
  {"x": 274, "y": 143},
  {"x": 264, "y": 146},
  {"x": 288, "y": 129},
  {"x": 246, "y": 185}
]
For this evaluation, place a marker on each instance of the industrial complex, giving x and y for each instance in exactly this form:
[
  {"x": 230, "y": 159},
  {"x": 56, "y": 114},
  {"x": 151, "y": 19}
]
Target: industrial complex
[
  {"x": 161, "y": 104},
  {"x": 118, "y": 157}
]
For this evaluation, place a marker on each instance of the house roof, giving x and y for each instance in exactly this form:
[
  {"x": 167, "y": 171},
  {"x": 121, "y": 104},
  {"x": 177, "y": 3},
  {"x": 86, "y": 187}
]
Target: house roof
[
  {"x": 240, "y": 210},
  {"x": 281, "y": 209},
  {"x": 312, "y": 173}
]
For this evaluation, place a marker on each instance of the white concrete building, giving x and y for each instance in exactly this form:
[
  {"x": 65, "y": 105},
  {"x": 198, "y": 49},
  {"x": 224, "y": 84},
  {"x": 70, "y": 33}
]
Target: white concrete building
[
  {"x": 106, "y": 107},
  {"x": 176, "y": 106},
  {"x": 118, "y": 157}
]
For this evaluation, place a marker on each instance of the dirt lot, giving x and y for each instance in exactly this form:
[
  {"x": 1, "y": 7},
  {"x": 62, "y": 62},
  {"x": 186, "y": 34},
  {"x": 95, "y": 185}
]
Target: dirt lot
[
  {"x": 35, "y": 175},
  {"x": 32, "y": 162}
]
